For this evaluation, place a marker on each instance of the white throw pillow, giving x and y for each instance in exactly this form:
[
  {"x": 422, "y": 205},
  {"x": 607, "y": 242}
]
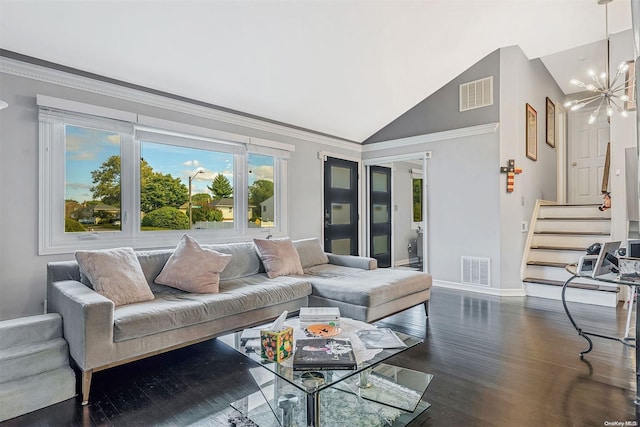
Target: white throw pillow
[
  {"x": 193, "y": 268},
  {"x": 279, "y": 257},
  {"x": 116, "y": 274}
]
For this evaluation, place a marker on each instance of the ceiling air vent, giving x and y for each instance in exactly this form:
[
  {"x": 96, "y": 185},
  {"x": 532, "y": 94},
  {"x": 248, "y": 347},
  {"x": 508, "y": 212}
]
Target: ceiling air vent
[
  {"x": 475, "y": 271},
  {"x": 476, "y": 94}
]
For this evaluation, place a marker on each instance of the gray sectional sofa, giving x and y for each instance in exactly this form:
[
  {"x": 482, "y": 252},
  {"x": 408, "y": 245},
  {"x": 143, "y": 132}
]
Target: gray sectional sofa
[{"x": 102, "y": 335}]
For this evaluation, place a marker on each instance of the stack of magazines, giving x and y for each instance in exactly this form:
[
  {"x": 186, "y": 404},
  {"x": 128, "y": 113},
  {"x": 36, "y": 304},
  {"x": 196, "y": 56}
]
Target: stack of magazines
[{"x": 317, "y": 354}]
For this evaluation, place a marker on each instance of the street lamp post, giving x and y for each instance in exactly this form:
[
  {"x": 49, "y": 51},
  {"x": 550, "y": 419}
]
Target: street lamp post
[{"x": 190, "y": 204}]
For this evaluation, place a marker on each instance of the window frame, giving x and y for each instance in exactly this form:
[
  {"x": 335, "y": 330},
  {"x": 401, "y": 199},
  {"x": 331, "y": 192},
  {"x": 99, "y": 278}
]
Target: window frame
[{"x": 54, "y": 240}]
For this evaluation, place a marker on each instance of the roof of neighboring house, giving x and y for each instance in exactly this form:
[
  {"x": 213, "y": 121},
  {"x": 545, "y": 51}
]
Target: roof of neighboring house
[
  {"x": 105, "y": 207},
  {"x": 228, "y": 202}
]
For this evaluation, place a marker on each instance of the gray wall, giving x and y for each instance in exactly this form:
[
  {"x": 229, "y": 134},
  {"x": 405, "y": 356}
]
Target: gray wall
[
  {"x": 22, "y": 270},
  {"x": 439, "y": 112}
]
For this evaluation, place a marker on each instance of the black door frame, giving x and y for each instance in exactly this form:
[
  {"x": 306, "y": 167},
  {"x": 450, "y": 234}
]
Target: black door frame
[
  {"x": 357, "y": 250},
  {"x": 386, "y": 160},
  {"x": 378, "y": 229}
]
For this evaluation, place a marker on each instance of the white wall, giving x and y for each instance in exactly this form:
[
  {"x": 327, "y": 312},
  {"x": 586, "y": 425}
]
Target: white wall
[
  {"x": 22, "y": 270},
  {"x": 403, "y": 209},
  {"x": 463, "y": 203},
  {"x": 522, "y": 82},
  {"x": 622, "y": 136}
]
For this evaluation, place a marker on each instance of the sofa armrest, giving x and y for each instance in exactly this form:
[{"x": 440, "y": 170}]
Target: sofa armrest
[
  {"x": 58, "y": 271},
  {"x": 364, "y": 263},
  {"x": 87, "y": 320}
]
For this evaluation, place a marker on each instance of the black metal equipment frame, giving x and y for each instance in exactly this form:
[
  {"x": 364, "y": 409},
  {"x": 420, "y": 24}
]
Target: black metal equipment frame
[{"x": 625, "y": 341}]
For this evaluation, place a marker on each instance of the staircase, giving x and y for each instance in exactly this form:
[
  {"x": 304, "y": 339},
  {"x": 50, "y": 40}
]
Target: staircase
[
  {"x": 34, "y": 365},
  {"x": 559, "y": 235}
]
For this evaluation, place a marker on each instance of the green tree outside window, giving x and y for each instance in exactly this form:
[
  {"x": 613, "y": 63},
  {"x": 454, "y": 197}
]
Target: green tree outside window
[{"x": 221, "y": 187}]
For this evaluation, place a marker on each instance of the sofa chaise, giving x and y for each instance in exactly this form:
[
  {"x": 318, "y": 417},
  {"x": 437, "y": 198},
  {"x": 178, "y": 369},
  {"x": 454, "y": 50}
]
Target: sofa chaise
[{"x": 103, "y": 334}]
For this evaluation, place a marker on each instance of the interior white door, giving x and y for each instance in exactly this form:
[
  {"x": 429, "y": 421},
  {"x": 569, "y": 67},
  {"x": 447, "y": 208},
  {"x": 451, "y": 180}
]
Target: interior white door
[{"x": 586, "y": 156}]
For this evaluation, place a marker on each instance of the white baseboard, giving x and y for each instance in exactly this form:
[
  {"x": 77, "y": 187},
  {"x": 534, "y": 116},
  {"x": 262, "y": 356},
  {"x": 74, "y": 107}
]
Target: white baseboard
[
  {"x": 584, "y": 296},
  {"x": 480, "y": 289},
  {"x": 551, "y": 292}
]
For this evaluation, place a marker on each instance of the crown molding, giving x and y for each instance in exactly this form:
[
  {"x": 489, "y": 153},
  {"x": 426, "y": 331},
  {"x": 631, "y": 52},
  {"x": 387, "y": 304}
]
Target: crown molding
[
  {"x": 66, "y": 79},
  {"x": 432, "y": 137}
]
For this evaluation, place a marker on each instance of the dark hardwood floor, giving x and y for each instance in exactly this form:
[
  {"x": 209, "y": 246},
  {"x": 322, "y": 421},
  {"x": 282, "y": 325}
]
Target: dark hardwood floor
[{"x": 496, "y": 362}]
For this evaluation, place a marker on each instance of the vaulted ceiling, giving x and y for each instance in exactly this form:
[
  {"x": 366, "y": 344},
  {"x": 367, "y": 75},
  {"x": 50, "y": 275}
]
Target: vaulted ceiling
[{"x": 345, "y": 68}]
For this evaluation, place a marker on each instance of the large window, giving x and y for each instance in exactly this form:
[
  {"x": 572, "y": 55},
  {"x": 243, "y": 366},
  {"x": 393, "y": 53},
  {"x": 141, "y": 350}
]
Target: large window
[{"x": 107, "y": 183}]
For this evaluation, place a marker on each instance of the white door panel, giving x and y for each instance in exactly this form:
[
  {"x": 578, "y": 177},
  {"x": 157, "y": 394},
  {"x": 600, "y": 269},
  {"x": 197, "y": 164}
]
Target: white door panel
[{"x": 586, "y": 155}]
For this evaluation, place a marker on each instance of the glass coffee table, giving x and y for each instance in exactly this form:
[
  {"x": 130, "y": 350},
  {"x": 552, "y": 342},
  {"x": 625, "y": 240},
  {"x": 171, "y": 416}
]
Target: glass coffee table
[{"x": 376, "y": 393}]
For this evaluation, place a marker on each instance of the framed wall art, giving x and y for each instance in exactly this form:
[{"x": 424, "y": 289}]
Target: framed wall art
[
  {"x": 532, "y": 133},
  {"x": 630, "y": 82},
  {"x": 551, "y": 123}
]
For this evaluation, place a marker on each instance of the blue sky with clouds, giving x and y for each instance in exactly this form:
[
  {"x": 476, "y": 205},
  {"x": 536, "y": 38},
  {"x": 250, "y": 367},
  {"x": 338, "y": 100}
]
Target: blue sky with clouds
[{"x": 87, "y": 149}]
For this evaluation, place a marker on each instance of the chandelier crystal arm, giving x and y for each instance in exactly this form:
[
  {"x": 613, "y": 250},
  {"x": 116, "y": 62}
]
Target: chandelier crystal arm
[
  {"x": 611, "y": 92},
  {"x": 620, "y": 86},
  {"x": 622, "y": 68},
  {"x": 577, "y": 104}
]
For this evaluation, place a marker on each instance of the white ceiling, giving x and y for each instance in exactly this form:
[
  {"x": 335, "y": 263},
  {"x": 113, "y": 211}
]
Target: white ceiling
[{"x": 341, "y": 67}]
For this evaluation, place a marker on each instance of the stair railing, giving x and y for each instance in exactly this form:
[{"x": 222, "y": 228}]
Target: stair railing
[{"x": 532, "y": 227}]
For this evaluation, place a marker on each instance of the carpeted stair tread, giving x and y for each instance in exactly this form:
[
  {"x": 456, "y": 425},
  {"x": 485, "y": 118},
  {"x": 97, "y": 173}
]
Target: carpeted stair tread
[
  {"x": 28, "y": 394},
  {"x": 33, "y": 359},
  {"x": 34, "y": 365},
  {"x": 30, "y": 329}
]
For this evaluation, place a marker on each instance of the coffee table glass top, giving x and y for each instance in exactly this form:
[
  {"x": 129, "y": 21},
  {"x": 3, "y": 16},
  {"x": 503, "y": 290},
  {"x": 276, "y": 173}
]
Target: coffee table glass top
[
  {"x": 307, "y": 383},
  {"x": 380, "y": 393}
]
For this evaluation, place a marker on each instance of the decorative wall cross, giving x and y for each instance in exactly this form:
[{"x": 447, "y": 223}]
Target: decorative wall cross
[{"x": 511, "y": 170}]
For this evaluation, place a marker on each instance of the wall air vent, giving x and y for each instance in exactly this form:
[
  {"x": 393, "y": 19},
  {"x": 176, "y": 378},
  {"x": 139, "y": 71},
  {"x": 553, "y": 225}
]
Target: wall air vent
[
  {"x": 476, "y": 94},
  {"x": 475, "y": 271}
]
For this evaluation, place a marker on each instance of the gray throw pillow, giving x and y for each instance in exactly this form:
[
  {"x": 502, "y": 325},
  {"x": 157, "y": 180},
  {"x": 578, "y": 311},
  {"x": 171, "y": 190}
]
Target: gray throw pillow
[
  {"x": 311, "y": 252},
  {"x": 116, "y": 274},
  {"x": 279, "y": 257}
]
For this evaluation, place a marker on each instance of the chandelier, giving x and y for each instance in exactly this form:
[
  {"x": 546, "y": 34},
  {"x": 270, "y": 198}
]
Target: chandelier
[{"x": 610, "y": 94}]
